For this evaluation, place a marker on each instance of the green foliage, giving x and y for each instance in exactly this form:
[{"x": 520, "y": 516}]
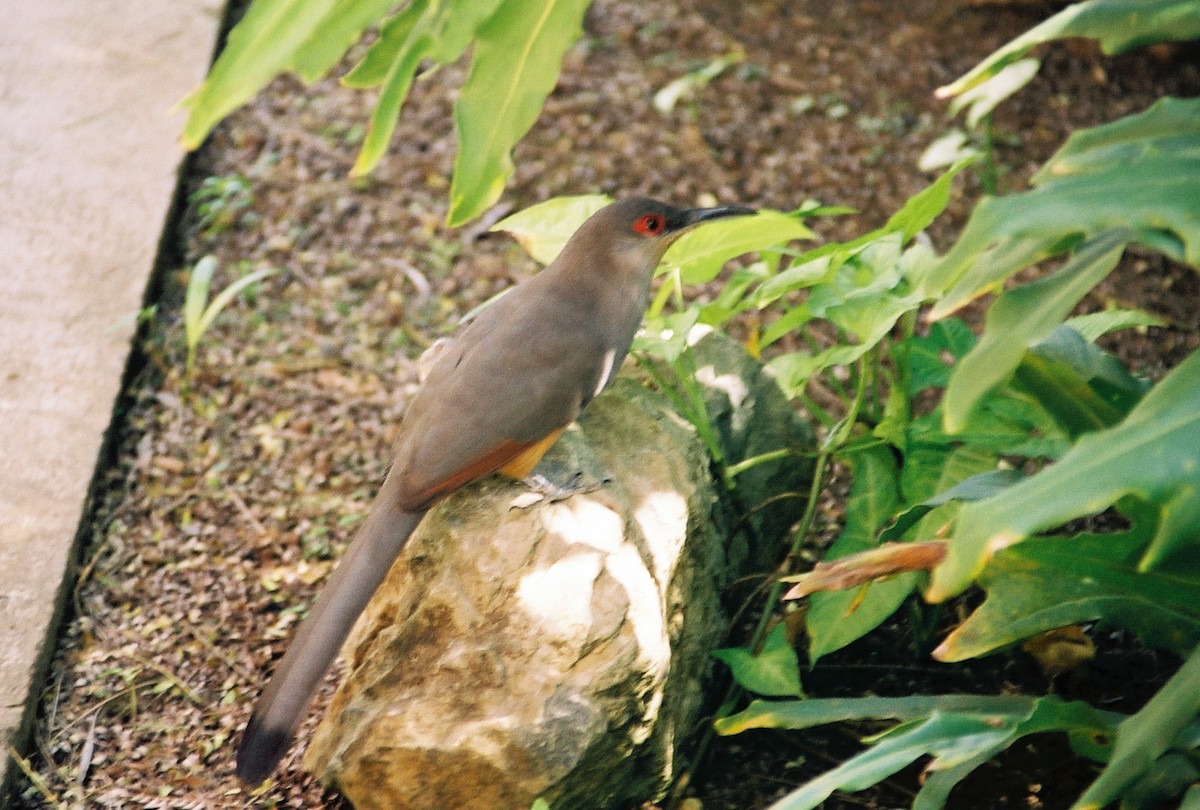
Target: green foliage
[
  {"x": 836, "y": 618},
  {"x": 1150, "y": 455},
  {"x": 1144, "y": 738},
  {"x": 1119, "y": 25},
  {"x": 518, "y": 48},
  {"x": 958, "y": 732},
  {"x": 774, "y": 670},
  {"x": 1037, "y": 428},
  {"x": 221, "y": 202},
  {"x": 1053, "y": 582},
  {"x": 199, "y": 312},
  {"x": 1139, "y": 173}
]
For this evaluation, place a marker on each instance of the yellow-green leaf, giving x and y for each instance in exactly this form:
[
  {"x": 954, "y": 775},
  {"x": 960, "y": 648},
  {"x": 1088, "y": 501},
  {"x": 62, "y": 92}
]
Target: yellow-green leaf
[{"x": 514, "y": 67}]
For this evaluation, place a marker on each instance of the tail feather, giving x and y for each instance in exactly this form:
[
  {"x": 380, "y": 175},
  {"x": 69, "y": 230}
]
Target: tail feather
[{"x": 269, "y": 733}]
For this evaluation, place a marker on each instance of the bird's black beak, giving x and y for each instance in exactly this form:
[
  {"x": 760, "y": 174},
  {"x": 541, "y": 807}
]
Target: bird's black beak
[{"x": 691, "y": 217}]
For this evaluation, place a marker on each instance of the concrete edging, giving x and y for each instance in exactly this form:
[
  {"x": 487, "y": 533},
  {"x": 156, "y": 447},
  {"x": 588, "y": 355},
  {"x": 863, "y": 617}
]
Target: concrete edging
[{"x": 89, "y": 167}]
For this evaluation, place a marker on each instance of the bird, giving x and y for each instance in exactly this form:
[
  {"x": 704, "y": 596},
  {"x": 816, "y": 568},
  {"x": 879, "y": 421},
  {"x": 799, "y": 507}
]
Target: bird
[{"x": 494, "y": 400}]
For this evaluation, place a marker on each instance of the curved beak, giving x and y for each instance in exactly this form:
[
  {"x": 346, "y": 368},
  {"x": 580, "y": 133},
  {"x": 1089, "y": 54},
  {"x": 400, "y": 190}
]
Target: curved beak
[{"x": 694, "y": 216}]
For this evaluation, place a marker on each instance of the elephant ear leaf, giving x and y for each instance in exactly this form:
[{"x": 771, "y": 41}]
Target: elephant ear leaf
[
  {"x": 1151, "y": 455},
  {"x": 1140, "y": 173}
]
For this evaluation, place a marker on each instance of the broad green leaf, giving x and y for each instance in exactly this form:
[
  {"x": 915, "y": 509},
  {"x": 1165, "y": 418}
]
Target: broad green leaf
[
  {"x": 774, "y": 672},
  {"x": 974, "y": 488},
  {"x": 959, "y": 732},
  {"x": 1147, "y": 735},
  {"x": 258, "y": 48},
  {"x": 514, "y": 67},
  {"x": 793, "y": 370},
  {"x": 543, "y": 229},
  {"x": 700, "y": 254},
  {"x": 1118, "y": 24},
  {"x": 836, "y": 618},
  {"x": 871, "y": 287},
  {"x": 1139, "y": 173},
  {"x": 441, "y": 33},
  {"x": 1096, "y": 324},
  {"x": 915, "y": 215},
  {"x": 1022, "y": 317},
  {"x": 802, "y": 714},
  {"x": 1052, "y": 582},
  {"x": 1153, "y": 455},
  {"x": 796, "y": 277},
  {"x": 1082, "y": 386},
  {"x": 932, "y": 737},
  {"x": 930, "y": 359}
]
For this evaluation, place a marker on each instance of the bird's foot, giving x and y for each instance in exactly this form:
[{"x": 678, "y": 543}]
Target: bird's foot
[{"x": 555, "y": 491}]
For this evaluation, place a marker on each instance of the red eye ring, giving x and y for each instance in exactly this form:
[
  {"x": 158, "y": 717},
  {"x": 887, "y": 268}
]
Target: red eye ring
[{"x": 649, "y": 224}]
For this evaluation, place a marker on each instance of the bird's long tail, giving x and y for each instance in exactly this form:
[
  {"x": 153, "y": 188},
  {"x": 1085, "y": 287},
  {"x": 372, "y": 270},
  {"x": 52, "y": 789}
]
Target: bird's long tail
[{"x": 269, "y": 732}]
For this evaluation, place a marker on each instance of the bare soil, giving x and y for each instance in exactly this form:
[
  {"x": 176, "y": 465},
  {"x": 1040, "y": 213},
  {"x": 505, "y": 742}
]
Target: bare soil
[{"x": 231, "y": 494}]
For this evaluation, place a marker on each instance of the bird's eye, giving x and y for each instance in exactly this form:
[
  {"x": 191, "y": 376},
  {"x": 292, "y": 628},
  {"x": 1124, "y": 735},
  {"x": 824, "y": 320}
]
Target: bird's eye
[{"x": 650, "y": 224}]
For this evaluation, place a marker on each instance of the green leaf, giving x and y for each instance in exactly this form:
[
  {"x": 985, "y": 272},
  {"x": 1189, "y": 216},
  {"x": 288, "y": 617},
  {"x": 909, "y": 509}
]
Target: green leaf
[
  {"x": 196, "y": 297},
  {"x": 700, "y": 254},
  {"x": 957, "y": 743},
  {"x": 974, "y": 488},
  {"x": 340, "y": 29},
  {"x": 774, "y": 672},
  {"x": 218, "y": 304},
  {"x": 543, "y": 229},
  {"x": 834, "y": 619},
  {"x": 514, "y": 67},
  {"x": 1022, "y": 317},
  {"x": 1096, "y": 324},
  {"x": 796, "y": 277},
  {"x": 930, "y": 359},
  {"x": 258, "y": 48},
  {"x": 686, "y": 85},
  {"x": 1147, "y": 735},
  {"x": 441, "y": 33},
  {"x": 372, "y": 70},
  {"x": 947, "y": 150},
  {"x": 1083, "y": 387},
  {"x": 1052, "y": 582},
  {"x": 732, "y": 298},
  {"x": 196, "y": 316},
  {"x": 921, "y": 209},
  {"x": 801, "y": 714},
  {"x": 1139, "y": 173},
  {"x": 1118, "y": 24},
  {"x": 666, "y": 336},
  {"x": 1153, "y": 455}
]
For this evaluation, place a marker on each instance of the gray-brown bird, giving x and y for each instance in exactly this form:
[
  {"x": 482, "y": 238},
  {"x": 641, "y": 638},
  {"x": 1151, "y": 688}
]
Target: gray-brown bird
[{"x": 495, "y": 399}]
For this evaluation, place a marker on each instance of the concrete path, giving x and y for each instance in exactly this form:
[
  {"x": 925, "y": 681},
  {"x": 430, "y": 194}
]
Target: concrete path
[{"x": 88, "y": 167}]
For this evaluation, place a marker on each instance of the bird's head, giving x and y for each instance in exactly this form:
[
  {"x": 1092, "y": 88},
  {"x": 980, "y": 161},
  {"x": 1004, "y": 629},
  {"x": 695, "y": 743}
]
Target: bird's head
[{"x": 635, "y": 233}]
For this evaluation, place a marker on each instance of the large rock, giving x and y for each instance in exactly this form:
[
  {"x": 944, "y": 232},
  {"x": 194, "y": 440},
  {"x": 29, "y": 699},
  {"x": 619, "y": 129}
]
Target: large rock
[{"x": 529, "y": 646}]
